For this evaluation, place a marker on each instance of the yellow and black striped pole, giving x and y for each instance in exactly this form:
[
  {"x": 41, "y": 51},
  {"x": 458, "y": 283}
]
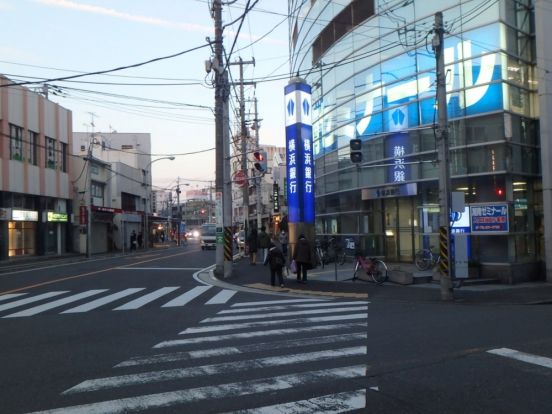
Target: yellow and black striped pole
[
  {"x": 444, "y": 251},
  {"x": 228, "y": 243}
]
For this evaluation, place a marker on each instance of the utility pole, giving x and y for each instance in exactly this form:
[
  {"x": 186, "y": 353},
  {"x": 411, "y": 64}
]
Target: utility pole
[
  {"x": 179, "y": 219},
  {"x": 259, "y": 177},
  {"x": 441, "y": 134},
  {"x": 244, "y": 137},
  {"x": 88, "y": 192},
  {"x": 222, "y": 143}
]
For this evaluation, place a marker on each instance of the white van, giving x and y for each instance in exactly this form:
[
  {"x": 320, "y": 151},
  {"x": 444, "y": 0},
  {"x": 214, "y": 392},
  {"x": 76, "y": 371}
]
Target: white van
[{"x": 208, "y": 236}]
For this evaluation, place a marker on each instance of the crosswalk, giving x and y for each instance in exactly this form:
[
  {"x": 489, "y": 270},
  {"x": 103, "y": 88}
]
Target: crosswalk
[
  {"x": 270, "y": 356},
  {"x": 18, "y": 305}
]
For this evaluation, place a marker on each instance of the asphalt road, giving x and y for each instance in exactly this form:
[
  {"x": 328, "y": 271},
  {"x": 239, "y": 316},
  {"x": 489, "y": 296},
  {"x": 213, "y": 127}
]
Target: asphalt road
[{"x": 140, "y": 333}]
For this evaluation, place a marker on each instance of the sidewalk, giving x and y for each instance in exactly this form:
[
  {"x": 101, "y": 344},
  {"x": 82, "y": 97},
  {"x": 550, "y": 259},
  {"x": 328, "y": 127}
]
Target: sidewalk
[{"x": 334, "y": 281}]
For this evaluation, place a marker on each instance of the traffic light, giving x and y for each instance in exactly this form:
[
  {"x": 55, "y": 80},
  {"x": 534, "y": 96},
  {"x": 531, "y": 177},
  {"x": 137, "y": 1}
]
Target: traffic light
[
  {"x": 260, "y": 160},
  {"x": 355, "y": 146}
]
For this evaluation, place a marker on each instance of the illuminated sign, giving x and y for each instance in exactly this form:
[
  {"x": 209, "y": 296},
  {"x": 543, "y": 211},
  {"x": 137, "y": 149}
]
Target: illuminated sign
[
  {"x": 489, "y": 218},
  {"x": 58, "y": 217},
  {"x": 276, "y": 197},
  {"x": 300, "y": 160},
  {"x": 471, "y": 74},
  {"x": 24, "y": 215},
  {"x": 397, "y": 147}
]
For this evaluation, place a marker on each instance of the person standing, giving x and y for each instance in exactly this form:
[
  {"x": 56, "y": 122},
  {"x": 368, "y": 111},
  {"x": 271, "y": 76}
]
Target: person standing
[
  {"x": 264, "y": 242},
  {"x": 133, "y": 240},
  {"x": 275, "y": 260},
  {"x": 303, "y": 258},
  {"x": 252, "y": 244},
  {"x": 284, "y": 241},
  {"x": 140, "y": 240}
]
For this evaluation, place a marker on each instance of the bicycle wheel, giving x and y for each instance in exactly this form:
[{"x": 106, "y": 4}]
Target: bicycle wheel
[
  {"x": 379, "y": 272},
  {"x": 422, "y": 259}
]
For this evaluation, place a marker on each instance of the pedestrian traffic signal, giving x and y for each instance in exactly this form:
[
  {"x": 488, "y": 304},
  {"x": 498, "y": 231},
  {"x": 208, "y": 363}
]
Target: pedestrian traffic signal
[
  {"x": 355, "y": 146},
  {"x": 260, "y": 160}
]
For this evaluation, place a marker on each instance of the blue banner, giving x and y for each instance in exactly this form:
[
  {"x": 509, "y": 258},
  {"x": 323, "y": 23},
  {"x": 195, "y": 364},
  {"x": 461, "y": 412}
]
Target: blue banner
[
  {"x": 489, "y": 218},
  {"x": 299, "y": 153}
]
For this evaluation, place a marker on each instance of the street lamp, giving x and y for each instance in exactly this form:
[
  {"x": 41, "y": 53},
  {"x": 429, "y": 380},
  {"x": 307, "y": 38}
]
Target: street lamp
[{"x": 145, "y": 184}]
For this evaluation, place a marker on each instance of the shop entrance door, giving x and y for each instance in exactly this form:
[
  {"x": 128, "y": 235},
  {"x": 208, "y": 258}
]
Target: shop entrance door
[{"x": 400, "y": 226}]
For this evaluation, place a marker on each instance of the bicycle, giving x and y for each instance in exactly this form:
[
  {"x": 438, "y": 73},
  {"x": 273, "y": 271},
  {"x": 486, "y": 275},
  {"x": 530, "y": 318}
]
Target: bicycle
[
  {"x": 375, "y": 269},
  {"x": 426, "y": 259}
]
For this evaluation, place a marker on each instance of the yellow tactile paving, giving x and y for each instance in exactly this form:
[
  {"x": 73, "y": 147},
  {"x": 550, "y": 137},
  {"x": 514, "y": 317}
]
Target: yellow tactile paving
[{"x": 308, "y": 292}]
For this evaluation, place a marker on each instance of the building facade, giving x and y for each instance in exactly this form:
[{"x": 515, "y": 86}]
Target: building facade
[
  {"x": 373, "y": 75},
  {"x": 35, "y": 187}
]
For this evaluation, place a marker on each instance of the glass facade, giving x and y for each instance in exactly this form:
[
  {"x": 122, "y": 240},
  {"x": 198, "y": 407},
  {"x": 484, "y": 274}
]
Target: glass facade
[{"x": 376, "y": 81}]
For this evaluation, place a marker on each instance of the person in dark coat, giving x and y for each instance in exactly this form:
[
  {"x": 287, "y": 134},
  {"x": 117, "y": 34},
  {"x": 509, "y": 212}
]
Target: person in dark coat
[
  {"x": 252, "y": 244},
  {"x": 303, "y": 258},
  {"x": 275, "y": 259},
  {"x": 133, "y": 240},
  {"x": 264, "y": 242}
]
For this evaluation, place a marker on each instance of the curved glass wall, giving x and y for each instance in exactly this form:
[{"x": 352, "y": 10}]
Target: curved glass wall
[{"x": 377, "y": 83}]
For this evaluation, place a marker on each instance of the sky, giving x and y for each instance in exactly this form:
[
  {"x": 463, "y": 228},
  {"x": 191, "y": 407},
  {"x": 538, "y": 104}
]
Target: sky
[{"x": 48, "y": 39}]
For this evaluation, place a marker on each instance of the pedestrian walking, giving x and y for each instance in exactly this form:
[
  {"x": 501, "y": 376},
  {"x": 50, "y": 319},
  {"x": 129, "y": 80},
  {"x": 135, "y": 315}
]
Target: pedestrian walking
[
  {"x": 140, "y": 239},
  {"x": 252, "y": 244},
  {"x": 284, "y": 241},
  {"x": 303, "y": 258},
  {"x": 133, "y": 240},
  {"x": 264, "y": 242},
  {"x": 275, "y": 260}
]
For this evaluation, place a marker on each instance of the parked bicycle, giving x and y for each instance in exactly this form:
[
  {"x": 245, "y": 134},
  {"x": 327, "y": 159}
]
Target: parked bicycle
[
  {"x": 375, "y": 269},
  {"x": 426, "y": 259}
]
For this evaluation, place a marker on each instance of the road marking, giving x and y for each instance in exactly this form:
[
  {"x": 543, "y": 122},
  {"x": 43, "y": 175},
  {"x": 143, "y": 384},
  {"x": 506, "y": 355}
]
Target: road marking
[
  {"x": 247, "y": 325},
  {"x": 128, "y": 267},
  {"x": 214, "y": 369},
  {"x": 95, "y": 272},
  {"x": 278, "y": 314},
  {"x": 150, "y": 297},
  {"x": 234, "y": 350},
  {"x": 276, "y": 302},
  {"x": 264, "y": 286},
  {"x": 55, "y": 304},
  {"x": 186, "y": 297},
  {"x": 11, "y": 296},
  {"x": 222, "y": 297},
  {"x": 522, "y": 356},
  {"x": 290, "y": 306},
  {"x": 33, "y": 299},
  {"x": 327, "y": 404},
  {"x": 102, "y": 301},
  {"x": 275, "y": 332},
  {"x": 209, "y": 393}
]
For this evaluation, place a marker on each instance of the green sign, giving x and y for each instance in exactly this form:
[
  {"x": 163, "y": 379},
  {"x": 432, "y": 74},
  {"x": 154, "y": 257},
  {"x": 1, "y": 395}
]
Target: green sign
[
  {"x": 58, "y": 217},
  {"x": 220, "y": 238}
]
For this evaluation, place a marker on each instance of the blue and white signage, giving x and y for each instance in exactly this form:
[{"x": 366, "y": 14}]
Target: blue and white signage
[
  {"x": 397, "y": 146},
  {"x": 300, "y": 160},
  {"x": 489, "y": 218}
]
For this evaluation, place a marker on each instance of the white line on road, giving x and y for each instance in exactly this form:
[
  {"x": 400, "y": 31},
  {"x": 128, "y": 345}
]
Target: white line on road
[
  {"x": 234, "y": 350},
  {"x": 522, "y": 356},
  {"x": 26, "y": 301},
  {"x": 214, "y": 369},
  {"x": 277, "y": 302},
  {"x": 222, "y": 297},
  {"x": 291, "y": 306},
  {"x": 10, "y": 296},
  {"x": 186, "y": 297},
  {"x": 157, "y": 268},
  {"x": 327, "y": 404},
  {"x": 102, "y": 301},
  {"x": 275, "y": 332},
  {"x": 248, "y": 325},
  {"x": 209, "y": 393},
  {"x": 55, "y": 304},
  {"x": 150, "y": 297},
  {"x": 278, "y": 314}
]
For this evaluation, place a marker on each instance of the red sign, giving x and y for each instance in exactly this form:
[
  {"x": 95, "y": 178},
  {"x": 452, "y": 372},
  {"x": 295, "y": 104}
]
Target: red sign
[
  {"x": 83, "y": 217},
  {"x": 240, "y": 179}
]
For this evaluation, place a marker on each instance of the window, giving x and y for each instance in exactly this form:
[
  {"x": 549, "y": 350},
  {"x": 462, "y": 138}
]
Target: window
[
  {"x": 16, "y": 143},
  {"x": 97, "y": 189},
  {"x": 63, "y": 156},
  {"x": 33, "y": 141},
  {"x": 50, "y": 153}
]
